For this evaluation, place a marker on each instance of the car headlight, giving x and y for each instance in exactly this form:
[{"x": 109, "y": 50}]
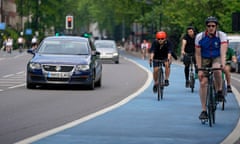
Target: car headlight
[
  {"x": 35, "y": 66},
  {"x": 82, "y": 67},
  {"x": 115, "y": 54}
]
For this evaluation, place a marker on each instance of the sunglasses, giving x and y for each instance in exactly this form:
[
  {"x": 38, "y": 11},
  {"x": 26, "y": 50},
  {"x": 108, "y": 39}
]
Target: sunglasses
[
  {"x": 161, "y": 39},
  {"x": 211, "y": 26}
]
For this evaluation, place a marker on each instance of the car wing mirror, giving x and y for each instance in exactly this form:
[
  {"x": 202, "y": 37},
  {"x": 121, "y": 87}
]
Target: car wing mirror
[
  {"x": 96, "y": 53},
  {"x": 31, "y": 51}
]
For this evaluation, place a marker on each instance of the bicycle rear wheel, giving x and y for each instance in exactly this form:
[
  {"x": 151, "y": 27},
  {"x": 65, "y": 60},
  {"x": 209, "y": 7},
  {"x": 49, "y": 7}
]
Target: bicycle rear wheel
[
  {"x": 160, "y": 84},
  {"x": 224, "y": 91},
  {"x": 192, "y": 82}
]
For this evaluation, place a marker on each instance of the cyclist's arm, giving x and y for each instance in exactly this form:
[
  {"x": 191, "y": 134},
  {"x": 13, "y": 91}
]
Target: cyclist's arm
[
  {"x": 223, "y": 53},
  {"x": 151, "y": 52},
  {"x": 184, "y": 42},
  {"x": 234, "y": 58},
  {"x": 198, "y": 56},
  {"x": 223, "y": 47}
]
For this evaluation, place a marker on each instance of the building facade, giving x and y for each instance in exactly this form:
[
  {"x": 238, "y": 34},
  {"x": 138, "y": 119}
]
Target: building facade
[{"x": 9, "y": 15}]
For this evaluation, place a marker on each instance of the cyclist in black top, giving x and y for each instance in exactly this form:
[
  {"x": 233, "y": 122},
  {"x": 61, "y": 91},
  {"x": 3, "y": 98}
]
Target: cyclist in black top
[
  {"x": 188, "y": 48},
  {"x": 161, "y": 49}
]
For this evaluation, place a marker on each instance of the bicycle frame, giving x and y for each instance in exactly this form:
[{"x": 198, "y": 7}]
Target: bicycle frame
[
  {"x": 161, "y": 83},
  {"x": 210, "y": 100},
  {"x": 191, "y": 73}
]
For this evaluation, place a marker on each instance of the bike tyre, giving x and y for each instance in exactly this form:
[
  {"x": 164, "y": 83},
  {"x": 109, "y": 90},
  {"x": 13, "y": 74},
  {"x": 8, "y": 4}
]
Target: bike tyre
[{"x": 209, "y": 106}]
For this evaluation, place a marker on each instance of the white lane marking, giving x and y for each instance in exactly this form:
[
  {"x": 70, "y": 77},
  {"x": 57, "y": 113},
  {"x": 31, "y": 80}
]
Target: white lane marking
[
  {"x": 235, "y": 79},
  {"x": 10, "y": 82},
  {"x": 1, "y": 90},
  {"x": 79, "y": 121},
  {"x": 5, "y": 85},
  {"x": 234, "y": 135},
  {"x": 16, "y": 86},
  {"x": 9, "y": 75},
  {"x": 15, "y": 79},
  {"x": 21, "y": 72}
]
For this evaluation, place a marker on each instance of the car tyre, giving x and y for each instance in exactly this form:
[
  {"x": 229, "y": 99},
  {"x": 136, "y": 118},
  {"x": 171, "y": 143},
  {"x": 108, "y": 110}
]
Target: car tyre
[
  {"x": 99, "y": 82},
  {"x": 30, "y": 85},
  {"x": 91, "y": 86},
  {"x": 238, "y": 67}
]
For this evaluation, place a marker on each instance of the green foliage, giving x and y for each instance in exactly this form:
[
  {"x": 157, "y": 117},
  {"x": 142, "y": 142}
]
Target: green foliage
[{"x": 170, "y": 15}]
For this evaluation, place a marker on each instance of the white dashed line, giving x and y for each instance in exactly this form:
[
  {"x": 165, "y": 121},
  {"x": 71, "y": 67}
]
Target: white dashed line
[
  {"x": 6, "y": 76},
  {"x": 16, "y": 86}
]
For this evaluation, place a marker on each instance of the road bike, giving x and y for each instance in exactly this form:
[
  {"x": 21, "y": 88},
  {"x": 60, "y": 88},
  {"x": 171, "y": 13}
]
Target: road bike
[
  {"x": 20, "y": 48},
  {"x": 224, "y": 90},
  {"x": 161, "y": 83},
  {"x": 211, "y": 102},
  {"x": 191, "y": 73}
]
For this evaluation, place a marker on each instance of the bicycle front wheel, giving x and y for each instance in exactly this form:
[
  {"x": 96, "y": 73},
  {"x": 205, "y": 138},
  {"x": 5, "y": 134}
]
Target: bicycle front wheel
[
  {"x": 211, "y": 105},
  {"x": 192, "y": 82}
]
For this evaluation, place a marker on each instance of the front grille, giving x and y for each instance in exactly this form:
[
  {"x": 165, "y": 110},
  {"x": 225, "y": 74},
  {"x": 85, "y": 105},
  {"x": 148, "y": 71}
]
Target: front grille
[
  {"x": 58, "y": 79},
  {"x": 58, "y": 68}
]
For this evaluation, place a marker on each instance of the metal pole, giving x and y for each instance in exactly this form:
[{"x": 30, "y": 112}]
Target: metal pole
[
  {"x": 160, "y": 17},
  {"x": 2, "y": 11}
]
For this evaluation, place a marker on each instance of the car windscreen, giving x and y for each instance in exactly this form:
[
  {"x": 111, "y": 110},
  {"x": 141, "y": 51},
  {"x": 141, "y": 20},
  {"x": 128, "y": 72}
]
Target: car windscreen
[
  {"x": 105, "y": 45},
  {"x": 64, "y": 47},
  {"x": 235, "y": 45}
]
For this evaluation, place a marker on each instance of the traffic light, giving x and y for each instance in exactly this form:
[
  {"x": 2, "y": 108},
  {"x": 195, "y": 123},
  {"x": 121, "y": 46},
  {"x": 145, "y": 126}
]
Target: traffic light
[
  {"x": 69, "y": 22},
  {"x": 87, "y": 35}
]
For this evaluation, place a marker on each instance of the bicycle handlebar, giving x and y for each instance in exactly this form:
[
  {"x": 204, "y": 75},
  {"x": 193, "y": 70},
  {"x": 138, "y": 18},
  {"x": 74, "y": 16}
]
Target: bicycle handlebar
[
  {"x": 189, "y": 54},
  {"x": 209, "y": 69},
  {"x": 158, "y": 61}
]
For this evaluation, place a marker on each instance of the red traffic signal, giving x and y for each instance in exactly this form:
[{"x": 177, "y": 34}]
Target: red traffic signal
[{"x": 69, "y": 22}]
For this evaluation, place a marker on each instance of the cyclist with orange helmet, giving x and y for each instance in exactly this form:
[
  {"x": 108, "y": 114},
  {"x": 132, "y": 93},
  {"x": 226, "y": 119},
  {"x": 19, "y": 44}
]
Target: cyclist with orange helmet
[{"x": 161, "y": 50}]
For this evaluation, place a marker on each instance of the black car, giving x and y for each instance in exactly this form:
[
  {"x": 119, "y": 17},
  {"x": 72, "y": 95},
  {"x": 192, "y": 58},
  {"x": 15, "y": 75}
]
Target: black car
[{"x": 70, "y": 60}]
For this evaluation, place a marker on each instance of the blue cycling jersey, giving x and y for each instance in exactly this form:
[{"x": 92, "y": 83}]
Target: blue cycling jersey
[{"x": 210, "y": 47}]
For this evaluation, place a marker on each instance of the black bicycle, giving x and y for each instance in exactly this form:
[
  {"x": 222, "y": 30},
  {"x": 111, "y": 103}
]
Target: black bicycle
[
  {"x": 191, "y": 73},
  {"x": 211, "y": 102},
  {"x": 224, "y": 90},
  {"x": 161, "y": 83}
]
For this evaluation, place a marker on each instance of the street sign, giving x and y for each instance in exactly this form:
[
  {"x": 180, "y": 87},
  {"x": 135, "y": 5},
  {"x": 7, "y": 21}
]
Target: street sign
[{"x": 2, "y": 26}]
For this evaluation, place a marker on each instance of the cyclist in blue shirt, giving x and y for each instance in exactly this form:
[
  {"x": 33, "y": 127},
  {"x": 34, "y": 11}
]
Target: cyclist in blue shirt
[
  {"x": 210, "y": 51},
  {"x": 161, "y": 49}
]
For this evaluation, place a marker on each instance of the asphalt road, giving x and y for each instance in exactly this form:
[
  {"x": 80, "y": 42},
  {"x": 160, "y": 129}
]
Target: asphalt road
[
  {"x": 139, "y": 119},
  {"x": 25, "y": 113}
]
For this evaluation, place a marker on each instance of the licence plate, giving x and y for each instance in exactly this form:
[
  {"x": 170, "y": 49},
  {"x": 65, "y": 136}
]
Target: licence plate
[{"x": 57, "y": 75}]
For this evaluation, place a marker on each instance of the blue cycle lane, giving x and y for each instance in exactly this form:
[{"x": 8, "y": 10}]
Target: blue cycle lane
[{"x": 144, "y": 120}]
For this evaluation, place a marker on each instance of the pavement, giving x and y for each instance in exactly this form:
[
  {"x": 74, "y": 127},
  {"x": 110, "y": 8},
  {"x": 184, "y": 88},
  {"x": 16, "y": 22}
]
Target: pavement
[{"x": 141, "y": 119}]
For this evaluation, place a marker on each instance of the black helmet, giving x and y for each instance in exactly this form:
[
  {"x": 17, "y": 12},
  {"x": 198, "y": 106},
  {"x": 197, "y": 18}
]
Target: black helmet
[
  {"x": 190, "y": 27},
  {"x": 211, "y": 19}
]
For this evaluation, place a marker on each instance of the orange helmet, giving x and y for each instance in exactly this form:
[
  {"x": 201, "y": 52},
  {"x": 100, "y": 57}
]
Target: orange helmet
[{"x": 161, "y": 35}]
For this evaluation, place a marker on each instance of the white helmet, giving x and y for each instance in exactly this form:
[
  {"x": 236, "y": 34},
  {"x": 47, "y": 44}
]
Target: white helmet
[{"x": 34, "y": 40}]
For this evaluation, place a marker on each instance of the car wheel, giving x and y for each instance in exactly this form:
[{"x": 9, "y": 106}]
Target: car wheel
[
  {"x": 99, "y": 82},
  {"x": 91, "y": 86},
  {"x": 238, "y": 67},
  {"x": 30, "y": 85},
  {"x": 117, "y": 62}
]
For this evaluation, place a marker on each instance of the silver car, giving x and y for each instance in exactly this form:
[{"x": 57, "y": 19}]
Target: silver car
[
  {"x": 234, "y": 43},
  {"x": 108, "y": 50}
]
